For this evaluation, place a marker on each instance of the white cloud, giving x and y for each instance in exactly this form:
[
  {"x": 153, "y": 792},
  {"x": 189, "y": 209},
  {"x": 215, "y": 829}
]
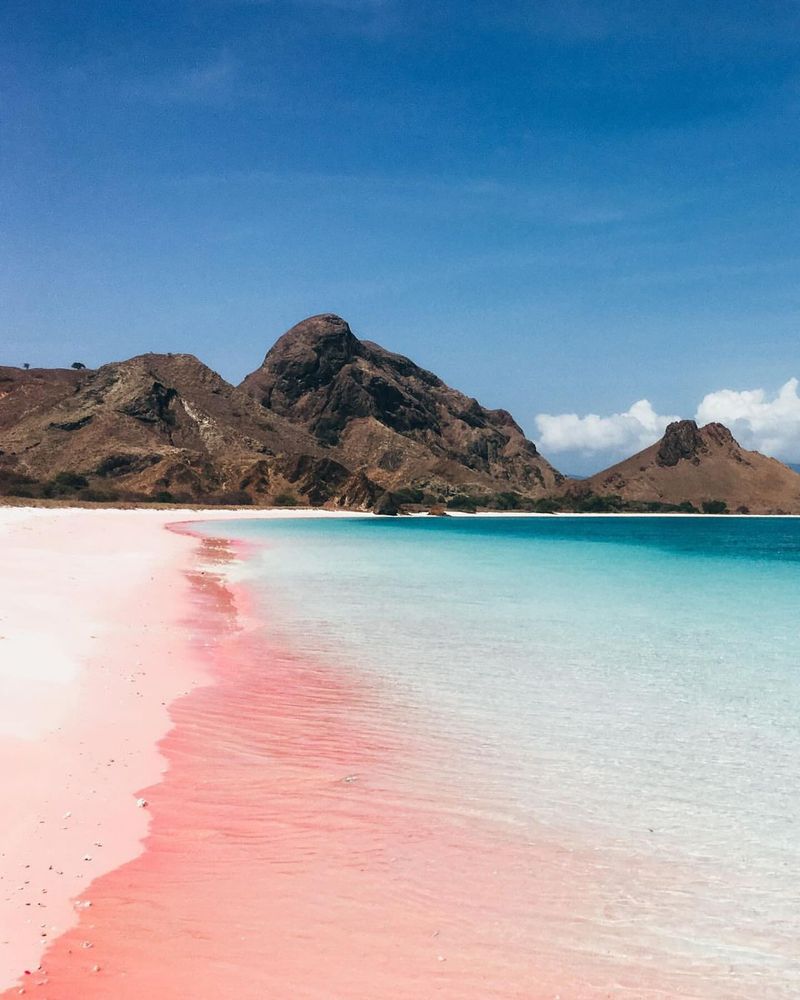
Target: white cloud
[
  {"x": 768, "y": 425},
  {"x": 626, "y": 433},
  {"x": 758, "y": 420}
]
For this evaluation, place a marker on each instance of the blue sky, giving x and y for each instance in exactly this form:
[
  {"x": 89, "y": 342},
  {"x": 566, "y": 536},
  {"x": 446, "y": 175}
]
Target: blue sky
[{"x": 560, "y": 207}]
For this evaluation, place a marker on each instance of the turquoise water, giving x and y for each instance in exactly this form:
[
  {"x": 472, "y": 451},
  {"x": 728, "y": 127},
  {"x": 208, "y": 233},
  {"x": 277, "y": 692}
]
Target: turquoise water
[{"x": 626, "y": 687}]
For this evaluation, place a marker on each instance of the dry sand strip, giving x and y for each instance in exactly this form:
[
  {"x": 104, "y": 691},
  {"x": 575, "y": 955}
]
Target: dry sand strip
[{"x": 93, "y": 648}]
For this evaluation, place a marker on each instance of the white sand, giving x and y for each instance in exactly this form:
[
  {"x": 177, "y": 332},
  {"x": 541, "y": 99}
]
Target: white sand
[{"x": 92, "y": 652}]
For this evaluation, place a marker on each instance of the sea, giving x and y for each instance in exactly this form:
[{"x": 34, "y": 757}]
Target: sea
[{"x": 575, "y": 743}]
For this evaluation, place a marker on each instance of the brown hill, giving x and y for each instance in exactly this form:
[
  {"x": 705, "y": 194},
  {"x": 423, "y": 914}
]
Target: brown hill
[
  {"x": 326, "y": 420},
  {"x": 393, "y": 421},
  {"x": 700, "y": 465},
  {"x": 154, "y": 426},
  {"x": 331, "y": 419},
  {"x": 22, "y": 391}
]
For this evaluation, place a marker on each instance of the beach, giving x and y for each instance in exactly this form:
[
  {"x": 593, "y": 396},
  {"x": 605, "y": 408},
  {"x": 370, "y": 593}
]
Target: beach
[
  {"x": 160, "y": 830},
  {"x": 186, "y": 798},
  {"x": 95, "y": 645},
  {"x": 234, "y": 769},
  {"x": 155, "y": 821}
]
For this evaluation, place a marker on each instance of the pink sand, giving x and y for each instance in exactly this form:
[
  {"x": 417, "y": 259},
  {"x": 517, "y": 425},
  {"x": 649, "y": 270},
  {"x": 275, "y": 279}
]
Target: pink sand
[
  {"x": 283, "y": 857},
  {"x": 90, "y": 658}
]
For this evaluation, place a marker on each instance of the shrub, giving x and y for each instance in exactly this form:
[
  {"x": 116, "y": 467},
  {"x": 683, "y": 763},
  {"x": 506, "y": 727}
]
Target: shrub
[
  {"x": 715, "y": 507},
  {"x": 100, "y": 496},
  {"x": 507, "y": 501},
  {"x": 594, "y": 504},
  {"x": 462, "y": 502},
  {"x": 409, "y": 494},
  {"x": 64, "y": 483},
  {"x": 233, "y": 498},
  {"x": 70, "y": 481},
  {"x": 115, "y": 465},
  {"x": 14, "y": 482},
  {"x": 286, "y": 500}
]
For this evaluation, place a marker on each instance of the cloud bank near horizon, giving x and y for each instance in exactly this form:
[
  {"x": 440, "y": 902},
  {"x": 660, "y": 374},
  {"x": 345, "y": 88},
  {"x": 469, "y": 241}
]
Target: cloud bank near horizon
[
  {"x": 769, "y": 424},
  {"x": 633, "y": 430}
]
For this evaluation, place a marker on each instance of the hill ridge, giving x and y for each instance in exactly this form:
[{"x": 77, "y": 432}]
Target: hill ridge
[
  {"x": 329, "y": 419},
  {"x": 326, "y": 419},
  {"x": 699, "y": 467}
]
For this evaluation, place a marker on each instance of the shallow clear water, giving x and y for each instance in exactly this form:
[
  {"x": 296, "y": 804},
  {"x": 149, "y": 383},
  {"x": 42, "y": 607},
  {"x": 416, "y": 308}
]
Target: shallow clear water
[{"x": 626, "y": 687}]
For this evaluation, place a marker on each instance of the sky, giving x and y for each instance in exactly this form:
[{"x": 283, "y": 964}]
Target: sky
[{"x": 584, "y": 212}]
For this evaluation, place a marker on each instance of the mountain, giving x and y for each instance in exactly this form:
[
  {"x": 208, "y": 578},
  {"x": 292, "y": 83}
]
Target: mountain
[
  {"x": 397, "y": 423},
  {"x": 156, "y": 426},
  {"x": 327, "y": 419},
  {"x": 694, "y": 466}
]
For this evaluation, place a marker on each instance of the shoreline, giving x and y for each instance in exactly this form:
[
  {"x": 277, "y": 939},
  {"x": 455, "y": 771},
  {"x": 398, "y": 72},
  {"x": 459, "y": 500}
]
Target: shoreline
[
  {"x": 186, "y": 513},
  {"x": 275, "y": 798},
  {"x": 267, "y": 797},
  {"x": 286, "y": 807},
  {"x": 94, "y": 603}
]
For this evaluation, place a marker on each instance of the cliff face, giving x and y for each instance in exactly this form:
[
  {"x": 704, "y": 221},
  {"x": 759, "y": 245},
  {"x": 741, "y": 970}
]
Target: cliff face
[
  {"x": 700, "y": 465},
  {"x": 394, "y": 421}
]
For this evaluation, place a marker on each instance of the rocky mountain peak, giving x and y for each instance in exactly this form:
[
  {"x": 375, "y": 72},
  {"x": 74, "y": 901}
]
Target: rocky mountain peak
[
  {"x": 390, "y": 416},
  {"x": 719, "y": 434},
  {"x": 308, "y": 356},
  {"x": 682, "y": 440},
  {"x": 325, "y": 335}
]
